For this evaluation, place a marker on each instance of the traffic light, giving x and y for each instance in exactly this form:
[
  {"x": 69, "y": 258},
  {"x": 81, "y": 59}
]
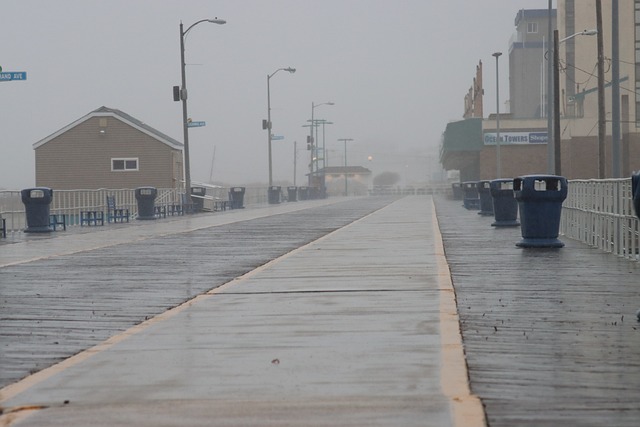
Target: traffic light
[{"x": 176, "y": 93}]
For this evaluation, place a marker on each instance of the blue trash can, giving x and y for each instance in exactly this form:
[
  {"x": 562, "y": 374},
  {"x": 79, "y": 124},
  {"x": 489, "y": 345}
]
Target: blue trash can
[
  {"x": 198, "y": 201},
  {"x": 486, "y": 201},
  {"x": 505, "y": 205},
  {"x": 540, "y": 200},
  {"x": 37, "y": 203},
  {"x": 236, "y": 196},
  {"x": 292, "y": 193},
  {"x": 471, "y": 199},
  {"x": 303, "y": 193},
  {"x": 146, "y": 197},
  {"x": 635, "y": 192},
  {"x": 456, "y": 188},
  {"x": 274, "y": 194}
]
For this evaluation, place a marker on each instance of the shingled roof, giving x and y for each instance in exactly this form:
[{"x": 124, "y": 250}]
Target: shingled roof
[{"x": 122, "y": 116}]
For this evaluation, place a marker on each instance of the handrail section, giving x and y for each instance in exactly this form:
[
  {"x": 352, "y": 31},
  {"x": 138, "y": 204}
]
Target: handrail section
[{"x": 599, "y": 212}]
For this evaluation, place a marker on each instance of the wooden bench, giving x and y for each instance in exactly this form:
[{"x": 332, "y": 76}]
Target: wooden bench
[
  {"x": 91, "y": 218},
  {"x": 220, "y": 205},
  {"x": 174, "y": 209},
  {"x": 58, "y": 219},
  {"x": 180, "y": 208},
  {"x": 160, "y": 211},
  {"x": 115, "y": 214}
]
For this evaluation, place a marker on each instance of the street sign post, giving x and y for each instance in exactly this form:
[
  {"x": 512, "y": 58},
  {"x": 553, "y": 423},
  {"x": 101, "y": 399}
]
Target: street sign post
[
  {"x": 195, "y": 124},
  {"x": 276, "y": 137},
  {"x": 8, "y": 76}
]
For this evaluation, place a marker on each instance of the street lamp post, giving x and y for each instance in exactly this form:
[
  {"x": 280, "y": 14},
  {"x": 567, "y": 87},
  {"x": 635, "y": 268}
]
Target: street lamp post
[
  {"x": 290, "y": 70},
  {"x": 311, "y": 141},
  {"x": 183, "y": 97},
  {"x": 370, "y": 159},
  {"x": 324, "y": 150},
  {"x": 316, "y": 125},
  {"x": 345, "y": 140},
  {"x": 498, "y": 159},
  {"x": 556, "y": 95}
]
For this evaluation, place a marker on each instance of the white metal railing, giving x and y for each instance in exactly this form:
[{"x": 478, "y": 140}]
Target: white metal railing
[
  {"x": 599, "y": 212},
  {"x": 72, "y": 202},
  {"x": 390, "y": 190}
]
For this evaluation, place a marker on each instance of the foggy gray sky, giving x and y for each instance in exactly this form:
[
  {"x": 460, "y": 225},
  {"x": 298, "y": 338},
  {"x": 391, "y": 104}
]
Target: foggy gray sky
[{"x": 397, "y": 71}]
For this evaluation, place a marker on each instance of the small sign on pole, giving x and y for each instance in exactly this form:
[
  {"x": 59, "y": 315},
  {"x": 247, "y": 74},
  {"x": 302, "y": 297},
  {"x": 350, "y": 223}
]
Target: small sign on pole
[
  {"x": 195, "y": 124},
  {"x": 12, "y": 75}
]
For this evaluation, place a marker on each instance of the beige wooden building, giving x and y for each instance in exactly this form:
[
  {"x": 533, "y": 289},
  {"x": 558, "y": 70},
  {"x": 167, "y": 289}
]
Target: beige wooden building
[{"x": 108, "y": 148}]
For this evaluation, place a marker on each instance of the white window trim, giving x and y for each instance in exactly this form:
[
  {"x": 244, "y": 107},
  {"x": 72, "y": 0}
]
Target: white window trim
[
  {"x": 533, "y": 26},
  {"x": 125, "y": 159}
]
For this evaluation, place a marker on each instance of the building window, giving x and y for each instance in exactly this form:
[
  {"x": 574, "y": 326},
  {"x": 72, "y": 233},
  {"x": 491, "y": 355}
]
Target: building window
[
  {"x": 124, "y": 165},
  {"x": 532, "y": 27}
]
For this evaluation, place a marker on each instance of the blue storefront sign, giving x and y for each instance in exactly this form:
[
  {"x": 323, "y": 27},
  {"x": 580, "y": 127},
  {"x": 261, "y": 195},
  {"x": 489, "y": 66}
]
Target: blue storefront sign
[{"x": 516, "y": 138}]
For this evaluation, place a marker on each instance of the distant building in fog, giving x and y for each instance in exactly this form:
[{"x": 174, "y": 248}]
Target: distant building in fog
[{"x": 528, "y": 65}]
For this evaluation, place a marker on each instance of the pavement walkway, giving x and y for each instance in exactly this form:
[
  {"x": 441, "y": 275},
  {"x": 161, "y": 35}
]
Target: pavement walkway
[{"x": 358, "y": 327}]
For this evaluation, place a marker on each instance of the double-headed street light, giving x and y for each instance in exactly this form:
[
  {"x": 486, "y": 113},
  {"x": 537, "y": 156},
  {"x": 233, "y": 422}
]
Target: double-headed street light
[
  {"x": 557, "y": 137},
  {"x": 183, "y": 97},
  {"x": 268, "y": 123},
  {"x": 311, "y": 141}
]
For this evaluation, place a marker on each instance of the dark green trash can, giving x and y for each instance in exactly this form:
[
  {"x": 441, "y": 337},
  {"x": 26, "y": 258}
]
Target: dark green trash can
[
  {"x": 146, "y": 198},
  {"x": 37, "y": 203},
  {"x": 505, "y": 205},
  {"x": 486, "y": 201},
  {"x": 540, "y": 200},
  {"x": 236, "y": 197},
  {"x": 274, "y": 194},
  {"x": 303, "y": 193},
  {"x": 456, "y": 188},
  {"x": 471, "y": 199},
  {"x": 292, "y": 193},
  {"x": 198, "y": 200}
]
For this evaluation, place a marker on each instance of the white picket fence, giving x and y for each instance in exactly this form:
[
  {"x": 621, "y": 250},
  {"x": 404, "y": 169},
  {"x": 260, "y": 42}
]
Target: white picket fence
[{"x": 600, "y": 213}]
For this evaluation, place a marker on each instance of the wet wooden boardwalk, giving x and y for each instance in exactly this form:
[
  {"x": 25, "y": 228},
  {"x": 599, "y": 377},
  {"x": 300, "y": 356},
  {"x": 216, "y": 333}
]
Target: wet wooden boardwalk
[
  {"x": 357, "y": 328},
  {"x": 551, "y": 336},
  {"x": 55, "y": 307}
]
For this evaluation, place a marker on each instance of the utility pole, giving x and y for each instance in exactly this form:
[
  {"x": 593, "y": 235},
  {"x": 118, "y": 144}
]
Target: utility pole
[
  {"x": 557, "y": 137},
  {"x": 550, "y": 152},
  {"x": 346, "y": 180},
  {"x": 615, "y": 92},
  {"x": 602, "y": 123}
]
